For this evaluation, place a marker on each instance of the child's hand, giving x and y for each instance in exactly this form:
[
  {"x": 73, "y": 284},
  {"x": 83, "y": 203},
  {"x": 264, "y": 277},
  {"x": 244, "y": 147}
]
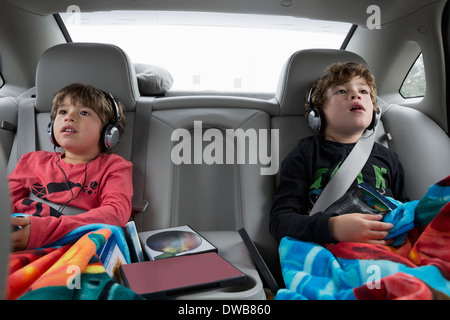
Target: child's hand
[
  {"x": 19, "y": 238},
  {"x": 357, "y": 227}
]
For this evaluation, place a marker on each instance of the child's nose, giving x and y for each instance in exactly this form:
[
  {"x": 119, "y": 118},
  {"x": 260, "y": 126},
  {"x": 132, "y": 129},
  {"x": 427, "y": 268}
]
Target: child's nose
[
  {"x": 355, "y": 95},
  {"x": 69, "y": 116}
]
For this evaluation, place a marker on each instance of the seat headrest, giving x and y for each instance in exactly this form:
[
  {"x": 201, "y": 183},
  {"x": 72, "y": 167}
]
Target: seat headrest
[
  {"x": 104, "y": 66},
  {"x": 301, "y": 70}
]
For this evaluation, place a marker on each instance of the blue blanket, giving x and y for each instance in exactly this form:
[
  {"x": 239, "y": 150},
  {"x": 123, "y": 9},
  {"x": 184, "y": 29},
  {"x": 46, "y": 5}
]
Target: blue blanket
[
  {"x": 116, "y": 232},
  {"x": 417, "y": 266}
]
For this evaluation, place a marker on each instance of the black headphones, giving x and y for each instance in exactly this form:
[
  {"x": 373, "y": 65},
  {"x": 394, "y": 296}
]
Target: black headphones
[
  {"x": 110, "y": 135},
  {"x": 316, "y": 120}
]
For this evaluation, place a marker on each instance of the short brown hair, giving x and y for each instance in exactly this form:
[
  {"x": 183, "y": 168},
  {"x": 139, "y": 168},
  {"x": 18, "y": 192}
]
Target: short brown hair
[
  {"x": 93, "y": 98},
  {"x": 336, "y": 74}
]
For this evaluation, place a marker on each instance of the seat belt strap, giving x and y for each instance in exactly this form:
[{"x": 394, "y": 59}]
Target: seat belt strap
[
  {"x": 65, "y": 210},
  {"x": 25, "y": 133},
  {"x": 26, "y": 128},
  {"x": 347, "y": 173},
  {"x": 139, "y": 154}
]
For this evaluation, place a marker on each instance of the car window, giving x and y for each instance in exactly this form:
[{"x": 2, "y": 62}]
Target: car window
[
  {"x": 208, "y": 51},
  {"x": 414, "y": 84}
]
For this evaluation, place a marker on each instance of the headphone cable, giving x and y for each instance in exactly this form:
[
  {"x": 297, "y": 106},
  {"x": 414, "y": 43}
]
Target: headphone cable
[{"x": 63, "y": 206}]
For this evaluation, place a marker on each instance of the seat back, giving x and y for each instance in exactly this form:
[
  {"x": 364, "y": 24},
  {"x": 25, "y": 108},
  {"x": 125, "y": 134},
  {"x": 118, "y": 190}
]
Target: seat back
[
  {"x": 222, "y": 179},
  {"x": 422, "y": 146}
]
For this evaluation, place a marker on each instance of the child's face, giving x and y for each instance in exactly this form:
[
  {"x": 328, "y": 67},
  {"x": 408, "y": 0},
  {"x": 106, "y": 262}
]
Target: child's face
[
  {"x": 77, "y": 128},
  {"x": 348, "y": 109}
]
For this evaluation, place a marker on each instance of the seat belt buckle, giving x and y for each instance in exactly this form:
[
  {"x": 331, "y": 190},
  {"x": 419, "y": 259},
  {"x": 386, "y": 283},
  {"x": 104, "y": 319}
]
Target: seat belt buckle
[{"x": 140, "y": 207}]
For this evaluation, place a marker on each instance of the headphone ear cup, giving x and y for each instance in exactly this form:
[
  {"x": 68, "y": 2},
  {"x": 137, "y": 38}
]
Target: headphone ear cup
[
  {"x": 111, "y": 136},
  {"x": 52, "y": 135},
  {"x": 375, "y": 119},
  {"x": 315, "y": 121},
  {"x": 111, "y": 132}
]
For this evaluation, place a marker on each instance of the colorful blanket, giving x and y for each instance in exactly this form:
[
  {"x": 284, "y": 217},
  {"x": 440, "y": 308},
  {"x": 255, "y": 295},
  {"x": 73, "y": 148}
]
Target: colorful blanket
[
  {"x": 417, "y": 267},
  {"x": 69, "y": 269}
]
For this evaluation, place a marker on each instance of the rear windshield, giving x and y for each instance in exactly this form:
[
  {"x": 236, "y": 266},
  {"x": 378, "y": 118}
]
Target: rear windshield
[{"x": 208, "y": 51}]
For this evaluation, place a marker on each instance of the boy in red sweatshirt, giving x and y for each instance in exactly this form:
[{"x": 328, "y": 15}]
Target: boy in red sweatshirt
[{"x": 86, "y": 123}]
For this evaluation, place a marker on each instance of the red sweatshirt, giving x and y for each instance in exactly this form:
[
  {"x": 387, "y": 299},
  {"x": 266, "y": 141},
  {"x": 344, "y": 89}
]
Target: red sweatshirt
[{"x": 103, "y": 187}]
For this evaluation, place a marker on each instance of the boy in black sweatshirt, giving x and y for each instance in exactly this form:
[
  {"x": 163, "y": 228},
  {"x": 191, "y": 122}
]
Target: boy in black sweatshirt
[{"x": 345, "y": 102}]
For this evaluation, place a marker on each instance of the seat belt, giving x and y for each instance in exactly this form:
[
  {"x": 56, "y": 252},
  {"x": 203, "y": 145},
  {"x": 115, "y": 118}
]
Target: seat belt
[
  {"x": 26, "y": 132},
  {"x": 347, "y": 173},
  {"x": 139, "y": 155},
  {"x": 65, "y": 210}
]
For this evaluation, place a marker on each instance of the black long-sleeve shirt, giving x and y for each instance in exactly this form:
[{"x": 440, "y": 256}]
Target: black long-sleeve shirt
[{"x": 305, "y": 172}]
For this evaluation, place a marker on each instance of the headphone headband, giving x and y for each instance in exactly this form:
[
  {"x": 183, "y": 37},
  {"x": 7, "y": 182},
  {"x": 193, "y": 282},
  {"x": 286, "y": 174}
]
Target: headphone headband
[
  {"x": 110, "y": 97},
  {"x": 309, "y": 99}
]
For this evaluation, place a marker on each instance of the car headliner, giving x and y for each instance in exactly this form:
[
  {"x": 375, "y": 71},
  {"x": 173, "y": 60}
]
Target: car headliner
[{"x": 353, "y": 11}]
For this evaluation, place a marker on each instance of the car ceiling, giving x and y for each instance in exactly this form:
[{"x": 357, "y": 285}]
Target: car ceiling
[{"x": 353, "y": 11}]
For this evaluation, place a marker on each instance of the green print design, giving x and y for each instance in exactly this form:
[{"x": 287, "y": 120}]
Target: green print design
[{"x": 380, "y": 182}]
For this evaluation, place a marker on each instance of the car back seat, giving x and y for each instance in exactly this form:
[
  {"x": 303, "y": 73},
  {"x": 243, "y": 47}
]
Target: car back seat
[{"x": 109, "y": 68}]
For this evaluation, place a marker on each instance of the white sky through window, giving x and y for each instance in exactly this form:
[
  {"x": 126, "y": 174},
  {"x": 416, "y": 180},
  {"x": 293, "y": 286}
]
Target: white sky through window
[{"x": 208, "y": 51}]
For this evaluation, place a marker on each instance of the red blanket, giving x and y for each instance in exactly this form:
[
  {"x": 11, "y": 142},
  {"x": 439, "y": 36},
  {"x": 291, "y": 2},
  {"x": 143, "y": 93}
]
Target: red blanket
[{"x": 72, "y": 271}]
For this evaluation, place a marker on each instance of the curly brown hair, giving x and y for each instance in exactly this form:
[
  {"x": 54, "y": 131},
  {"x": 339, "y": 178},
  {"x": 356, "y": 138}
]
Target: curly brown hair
[{"x": 336, "y": 74}]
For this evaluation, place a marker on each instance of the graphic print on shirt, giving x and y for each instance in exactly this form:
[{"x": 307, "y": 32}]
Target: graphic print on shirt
[
  {"x": 321, "y": 179},
  {"x": 43, "y": 192}
]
